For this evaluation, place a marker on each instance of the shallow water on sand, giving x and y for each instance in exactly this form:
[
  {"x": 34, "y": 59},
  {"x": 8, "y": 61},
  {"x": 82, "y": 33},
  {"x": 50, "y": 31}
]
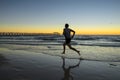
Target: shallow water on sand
[{"x": 90, "y": 53}]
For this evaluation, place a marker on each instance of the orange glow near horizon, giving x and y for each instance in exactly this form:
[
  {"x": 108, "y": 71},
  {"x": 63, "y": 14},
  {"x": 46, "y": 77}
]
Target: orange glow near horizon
[{"x": 52, "y": 29}]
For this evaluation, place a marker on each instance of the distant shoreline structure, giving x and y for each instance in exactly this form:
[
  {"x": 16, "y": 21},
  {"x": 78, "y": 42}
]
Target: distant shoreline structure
[
  {"x": 26, "y": 34},
  {"x": 44, "y": 34}
]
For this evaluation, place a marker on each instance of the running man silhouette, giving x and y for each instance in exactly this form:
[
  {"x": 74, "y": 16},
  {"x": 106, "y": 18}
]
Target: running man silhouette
[{"x": 67, "y": 34}]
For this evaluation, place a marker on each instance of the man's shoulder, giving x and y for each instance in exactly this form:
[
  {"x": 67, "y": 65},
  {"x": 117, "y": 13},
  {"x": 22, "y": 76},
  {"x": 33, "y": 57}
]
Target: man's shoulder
[{"x": 70, "y": 29}]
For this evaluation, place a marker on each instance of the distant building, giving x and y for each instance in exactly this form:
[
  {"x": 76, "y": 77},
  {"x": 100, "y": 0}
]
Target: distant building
[{"x": 56, "y": 33}]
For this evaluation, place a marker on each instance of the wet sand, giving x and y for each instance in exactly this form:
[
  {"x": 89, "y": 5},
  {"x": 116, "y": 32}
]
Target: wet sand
[{"x": 26, "y": 65}]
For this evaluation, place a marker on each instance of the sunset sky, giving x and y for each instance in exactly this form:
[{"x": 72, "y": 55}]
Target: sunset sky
[{"x": 48, "y": 16}]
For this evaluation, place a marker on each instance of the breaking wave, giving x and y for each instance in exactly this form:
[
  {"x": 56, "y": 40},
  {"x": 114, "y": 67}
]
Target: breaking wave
[{"x": 87, "y": 40}]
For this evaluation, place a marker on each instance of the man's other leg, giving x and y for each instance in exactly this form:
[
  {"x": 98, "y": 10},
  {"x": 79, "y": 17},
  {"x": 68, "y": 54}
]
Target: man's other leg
[
  {"x": 69, "y": 45},
  {"x": 64, "y": 48}
]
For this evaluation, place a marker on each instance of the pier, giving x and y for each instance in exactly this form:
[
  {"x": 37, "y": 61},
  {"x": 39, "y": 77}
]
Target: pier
[{"x": 25, "y": 34}]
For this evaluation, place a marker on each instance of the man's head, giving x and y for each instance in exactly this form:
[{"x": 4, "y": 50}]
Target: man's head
[{"x": 66, "y": 25}]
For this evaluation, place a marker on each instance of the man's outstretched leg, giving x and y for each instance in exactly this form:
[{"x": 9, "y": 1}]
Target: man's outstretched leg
[{"x": 73, "y": 49}]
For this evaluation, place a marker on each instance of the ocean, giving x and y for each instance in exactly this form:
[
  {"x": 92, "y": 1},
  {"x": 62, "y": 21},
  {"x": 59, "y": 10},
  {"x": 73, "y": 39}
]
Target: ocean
[{"x": 88, "y": 40}]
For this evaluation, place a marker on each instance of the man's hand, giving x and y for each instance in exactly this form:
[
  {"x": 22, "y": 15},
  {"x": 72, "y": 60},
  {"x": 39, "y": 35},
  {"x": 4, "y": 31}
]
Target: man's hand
[{"x": 73, "y": 34}]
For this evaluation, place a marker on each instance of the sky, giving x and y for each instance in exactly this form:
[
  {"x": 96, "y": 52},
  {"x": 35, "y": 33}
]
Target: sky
[{"x": 48, "y": 16}]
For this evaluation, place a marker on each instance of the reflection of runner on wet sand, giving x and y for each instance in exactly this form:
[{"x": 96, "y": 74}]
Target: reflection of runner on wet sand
[{"x": 67, "y": 75}]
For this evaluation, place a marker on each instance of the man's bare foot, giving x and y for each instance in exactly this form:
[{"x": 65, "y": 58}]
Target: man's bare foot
[
  {"x": 63, "y": 52},
  {"x": 78, "y": 52}
]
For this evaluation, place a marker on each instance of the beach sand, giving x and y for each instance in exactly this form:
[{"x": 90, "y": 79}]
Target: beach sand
[{"x": 19, "y": 62}]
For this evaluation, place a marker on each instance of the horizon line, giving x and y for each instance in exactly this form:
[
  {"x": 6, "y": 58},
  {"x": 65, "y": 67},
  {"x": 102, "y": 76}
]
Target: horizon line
[{"x": 34, "y": 33}]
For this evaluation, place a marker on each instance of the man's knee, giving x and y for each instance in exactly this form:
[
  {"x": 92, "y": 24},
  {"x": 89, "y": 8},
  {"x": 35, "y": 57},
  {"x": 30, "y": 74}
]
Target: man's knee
[
  {"x": 70, "y": 47},
  {"x": 64, "y": 44}
]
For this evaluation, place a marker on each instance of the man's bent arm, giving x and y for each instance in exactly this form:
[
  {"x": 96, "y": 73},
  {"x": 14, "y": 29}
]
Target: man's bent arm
[{"x": 73, "y": 33}]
